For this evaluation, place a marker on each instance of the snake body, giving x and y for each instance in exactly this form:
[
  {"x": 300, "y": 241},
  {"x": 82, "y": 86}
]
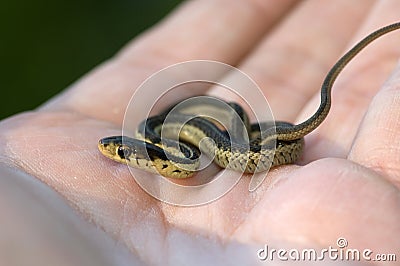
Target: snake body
[{"x": 265, "y": 147}]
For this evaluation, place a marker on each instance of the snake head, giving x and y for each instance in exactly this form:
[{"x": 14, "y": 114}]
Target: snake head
[
  {"x": 124, "y": 149},
  {"x": 117, "y": 148},
  {"x": 144, "y": 155}
]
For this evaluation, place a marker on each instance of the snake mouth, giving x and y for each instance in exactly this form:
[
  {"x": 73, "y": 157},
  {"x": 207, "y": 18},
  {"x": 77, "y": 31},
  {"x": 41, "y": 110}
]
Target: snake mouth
[{"x": 107, "y": 146}]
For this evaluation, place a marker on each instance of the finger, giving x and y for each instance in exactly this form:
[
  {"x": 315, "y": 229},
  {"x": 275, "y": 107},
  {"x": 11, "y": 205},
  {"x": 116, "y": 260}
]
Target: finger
[
  {"x": 290, "y": 63},
  {"x": 356, "y": 86},
  {"x": 377, "y": 142},
  {"x": 217, "y": 30}
]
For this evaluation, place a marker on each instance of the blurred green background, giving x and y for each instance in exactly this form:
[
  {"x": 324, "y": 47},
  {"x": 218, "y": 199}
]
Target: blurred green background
[{"x": 47, "y": 45}]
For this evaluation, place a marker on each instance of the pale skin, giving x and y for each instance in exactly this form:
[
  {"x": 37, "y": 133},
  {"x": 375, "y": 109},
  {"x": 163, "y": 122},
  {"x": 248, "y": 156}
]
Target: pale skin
[{"x": 345, "y": 185}]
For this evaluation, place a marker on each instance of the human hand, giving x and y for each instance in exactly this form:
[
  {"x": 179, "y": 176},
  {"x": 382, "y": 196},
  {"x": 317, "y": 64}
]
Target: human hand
[{"x": 349, "y": 179}]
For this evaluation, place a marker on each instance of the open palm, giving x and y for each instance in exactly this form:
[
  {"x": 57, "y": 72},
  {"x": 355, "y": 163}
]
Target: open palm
[{"x": 349, "y": 179}]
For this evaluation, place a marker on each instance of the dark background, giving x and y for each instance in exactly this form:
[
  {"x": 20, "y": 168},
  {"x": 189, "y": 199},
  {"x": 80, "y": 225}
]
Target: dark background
[{"x": 46, "y": 45}]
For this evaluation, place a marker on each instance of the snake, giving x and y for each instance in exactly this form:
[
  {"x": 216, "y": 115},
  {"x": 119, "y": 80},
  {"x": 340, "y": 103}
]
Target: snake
[{"x": 268, "y": 144}]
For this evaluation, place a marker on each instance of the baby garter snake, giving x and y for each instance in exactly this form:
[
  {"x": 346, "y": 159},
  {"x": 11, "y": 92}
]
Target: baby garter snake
[{"x": 283, "y": 145}]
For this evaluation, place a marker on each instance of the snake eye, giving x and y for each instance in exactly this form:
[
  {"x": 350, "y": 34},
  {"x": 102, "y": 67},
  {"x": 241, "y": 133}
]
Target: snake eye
[{"x": 124, "y": 152}]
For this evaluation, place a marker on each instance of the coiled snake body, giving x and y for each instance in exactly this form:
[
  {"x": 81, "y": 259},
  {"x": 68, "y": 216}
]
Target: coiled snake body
[{"x": 264, "y": 148}]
